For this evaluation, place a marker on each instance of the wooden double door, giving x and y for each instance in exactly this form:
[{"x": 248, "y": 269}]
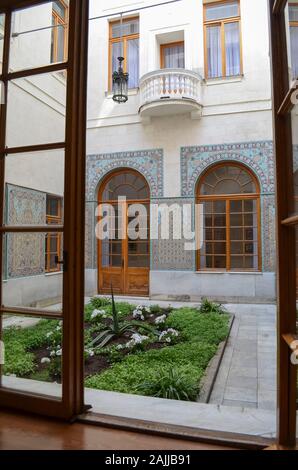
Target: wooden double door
[{"x": 124, "y": 256}]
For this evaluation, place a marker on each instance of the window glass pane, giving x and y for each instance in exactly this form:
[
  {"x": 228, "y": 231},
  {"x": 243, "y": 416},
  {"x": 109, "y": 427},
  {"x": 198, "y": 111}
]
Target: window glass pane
[
  {"x": 214, "y": 51},
  {"x": 61, "y": 36},
  {"x": 232, "y": 42},
  {"x": 128, "y": 28},
  {"x": 33, "y": 355},
  {"x": 60, "y": 9},
  {"x": 34, "y": 41},
  {"x": 173, "y": 56},
  {"x": 117, "y": 51},
  {"x": 293, "y": 12},
  {"x": 133, "y": 62},
  {"x": 2, "y": 23},
  {"x": 128, "y": 184},
  {"x": 226, "y": 10},
  {"x": 228, "y": 180},
  {"x": 53, "y": 206},
  {"x": 294, "y": 50},
  {"x": 29, "y": 178},
  {"x": 45, "y": 96}
]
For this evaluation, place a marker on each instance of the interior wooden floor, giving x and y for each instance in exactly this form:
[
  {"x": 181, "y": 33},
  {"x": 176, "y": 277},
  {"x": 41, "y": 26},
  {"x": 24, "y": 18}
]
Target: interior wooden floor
[{"x": 24, "y": 432}]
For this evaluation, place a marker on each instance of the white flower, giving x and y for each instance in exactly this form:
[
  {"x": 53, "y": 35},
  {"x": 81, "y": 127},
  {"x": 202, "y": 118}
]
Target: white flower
[
  {"x": 120, "y": 346},
  {"x": 147, "y": 309},
  {"x": 58, "y": 328},
  {"x": 168, "y": 335},
  {"x": 45, "y": 360},
  {"x": 136, "y": 339},
  {"x": 138, "y": 314},
  {"x": 59, "y": 352},
  {"x": 90, "y": 352},
  {"x": 160, "y": 320},
  {"x": 53, "y": 353},
  {"x": 49, "y": 334},
  {"x": 97, "y": 313}
]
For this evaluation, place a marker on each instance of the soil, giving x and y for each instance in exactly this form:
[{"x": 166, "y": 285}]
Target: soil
[{"x": 99, "y": 363}]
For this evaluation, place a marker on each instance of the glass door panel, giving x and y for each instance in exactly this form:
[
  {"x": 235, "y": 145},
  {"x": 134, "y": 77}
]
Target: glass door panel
[
  {"x": 39, "y": 36},
  {"x": 41, "y": 208}
]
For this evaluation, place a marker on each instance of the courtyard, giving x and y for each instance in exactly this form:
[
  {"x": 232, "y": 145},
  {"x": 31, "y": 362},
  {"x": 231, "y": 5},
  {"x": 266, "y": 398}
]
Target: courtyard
[{"x": 244, "y": 383}]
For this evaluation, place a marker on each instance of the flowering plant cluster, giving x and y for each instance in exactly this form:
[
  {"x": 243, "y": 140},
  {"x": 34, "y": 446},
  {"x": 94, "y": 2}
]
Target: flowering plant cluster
[
  {"x": 135, "y": 341},
  {"x": 141, "y": 313},
  {"x": 160, "y": 320},
  {"x": 169, "y": 336},
  {"x": 98, "y": 314},
  {"x": 54, "y": 338}
]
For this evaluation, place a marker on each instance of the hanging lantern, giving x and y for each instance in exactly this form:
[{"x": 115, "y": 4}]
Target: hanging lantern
[{"x": 120, "y": 84}]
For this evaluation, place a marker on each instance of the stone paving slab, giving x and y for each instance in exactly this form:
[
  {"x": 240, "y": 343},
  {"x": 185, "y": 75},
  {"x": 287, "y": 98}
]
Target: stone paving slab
[{"x": 249, "y": 363}]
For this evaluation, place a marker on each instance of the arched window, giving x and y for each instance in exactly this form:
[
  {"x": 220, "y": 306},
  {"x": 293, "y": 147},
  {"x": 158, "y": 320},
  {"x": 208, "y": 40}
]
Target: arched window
[
  {"x": 125, "y": 183},
  {"x": 230, "y": 196}
]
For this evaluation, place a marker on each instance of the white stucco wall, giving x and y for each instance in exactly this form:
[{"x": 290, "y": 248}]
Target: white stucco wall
[{"x": 234, "y": 110}]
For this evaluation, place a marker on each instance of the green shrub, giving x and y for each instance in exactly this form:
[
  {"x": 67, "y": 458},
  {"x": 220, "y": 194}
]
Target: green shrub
[
  {"x": 100, "y": 302},
  {"x": 193, "y": 326},
  {"x": 208, "y": 307},
  {"x": 170, "y": 384},
  {"x": 190, "y": 359},
  {"x": 155, "y": 309}
]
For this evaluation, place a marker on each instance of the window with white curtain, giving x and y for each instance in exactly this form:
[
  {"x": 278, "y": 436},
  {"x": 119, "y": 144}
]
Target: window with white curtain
[
  {"x": 172, "y": 56},
  {"x": 223, "y": 39},
  {"x": 127, "y": 48},
  {"x": 293, "y": 15}
]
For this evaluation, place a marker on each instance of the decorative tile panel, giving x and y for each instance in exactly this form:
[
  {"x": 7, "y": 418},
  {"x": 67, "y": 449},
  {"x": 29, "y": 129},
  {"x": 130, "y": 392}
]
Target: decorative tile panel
[
  {"x": 170, "y": 255},
  {"x": 26, "y": 251},
  {"x": 148, "y": 162},
  {"x": 258, "y": 156},
  {"x": 268, "y": 233}
]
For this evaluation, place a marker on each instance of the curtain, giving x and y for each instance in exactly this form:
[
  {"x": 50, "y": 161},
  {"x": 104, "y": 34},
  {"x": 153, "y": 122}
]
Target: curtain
[
  {"x": 214, "y": 51},
  {"x": 232, "y": 40},
  {"x": 294, "y": 50},
  {"x": 116, "y": 52},
  {"x": 174, "y": 57},
  {"x": 133, "y": 63}
]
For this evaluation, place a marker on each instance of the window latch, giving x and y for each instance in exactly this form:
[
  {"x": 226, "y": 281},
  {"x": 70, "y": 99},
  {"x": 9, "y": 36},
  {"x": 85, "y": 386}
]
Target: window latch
[{"x": 62, "y": 262}]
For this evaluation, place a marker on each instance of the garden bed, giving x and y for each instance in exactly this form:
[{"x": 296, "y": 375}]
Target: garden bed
[{"x": 137, "y": 350}]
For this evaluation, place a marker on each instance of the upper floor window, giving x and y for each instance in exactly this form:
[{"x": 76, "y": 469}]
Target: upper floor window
[
  {"x": 53, "y": 246},
  {"x": 293, "y": 14},
  {"x": 127, "y": 48},
  {"x": 223, "y": 39},
  {"x": 59, "y": 31},
  {"x": 172, "y": 56}
]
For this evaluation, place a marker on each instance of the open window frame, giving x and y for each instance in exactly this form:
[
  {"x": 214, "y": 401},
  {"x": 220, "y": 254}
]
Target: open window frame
[{"x": 72, "y": 402}]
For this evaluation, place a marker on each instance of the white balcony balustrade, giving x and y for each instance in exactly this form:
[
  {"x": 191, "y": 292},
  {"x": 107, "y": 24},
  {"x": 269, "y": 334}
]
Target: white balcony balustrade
[{"x": 169, "y": 92}]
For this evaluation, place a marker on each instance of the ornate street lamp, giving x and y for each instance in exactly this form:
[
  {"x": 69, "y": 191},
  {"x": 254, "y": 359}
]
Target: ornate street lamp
[{"x": 120, "y": 79}]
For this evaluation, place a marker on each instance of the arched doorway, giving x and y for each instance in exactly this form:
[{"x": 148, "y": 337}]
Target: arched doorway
[
  {"x": 124, "y": 261},
  {"x": 230, "y": 195}
]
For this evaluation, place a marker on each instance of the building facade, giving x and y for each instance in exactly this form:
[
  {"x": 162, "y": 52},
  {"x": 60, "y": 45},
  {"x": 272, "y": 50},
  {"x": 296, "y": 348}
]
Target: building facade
[{"x": 196, "y": 129}]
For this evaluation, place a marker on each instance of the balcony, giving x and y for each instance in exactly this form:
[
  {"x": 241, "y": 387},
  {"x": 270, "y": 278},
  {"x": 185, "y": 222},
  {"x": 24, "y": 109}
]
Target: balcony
[{"x": 170, "y": 91}]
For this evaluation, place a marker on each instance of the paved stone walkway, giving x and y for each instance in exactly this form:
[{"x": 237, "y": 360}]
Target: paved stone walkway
[{"x": 247, "y": 375}]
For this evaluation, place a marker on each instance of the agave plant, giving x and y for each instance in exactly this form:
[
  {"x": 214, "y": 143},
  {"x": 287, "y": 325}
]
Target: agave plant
[{"x": 117, "y": 329}]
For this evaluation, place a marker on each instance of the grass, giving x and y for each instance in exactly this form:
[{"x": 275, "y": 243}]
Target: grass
[
  {"x": 20, "y": 344},
  {"x": 141, "y": 370},
  {"x": 201, "y": 336}
]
